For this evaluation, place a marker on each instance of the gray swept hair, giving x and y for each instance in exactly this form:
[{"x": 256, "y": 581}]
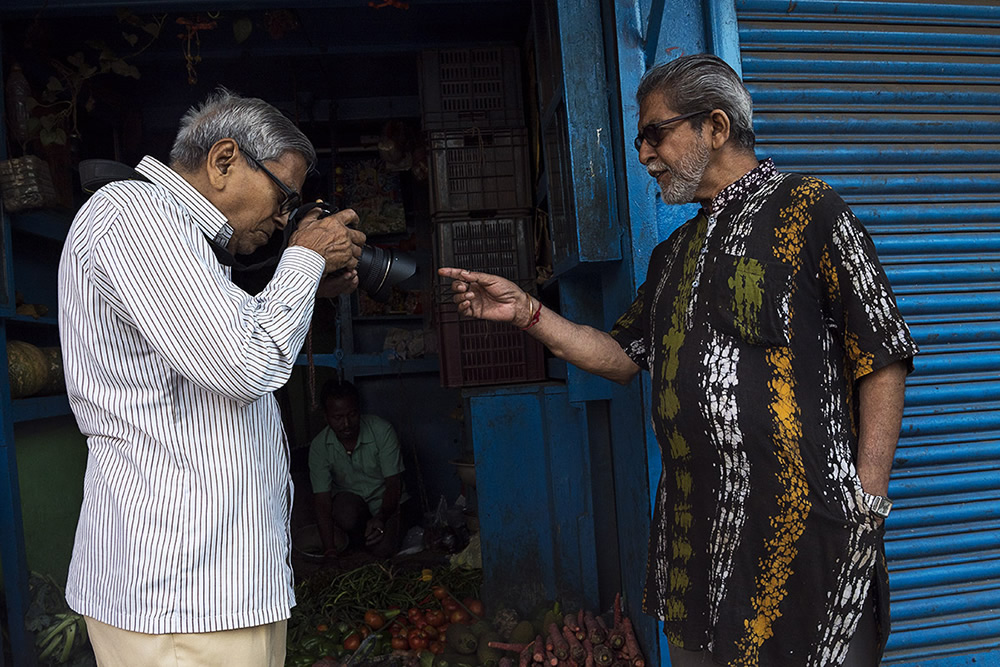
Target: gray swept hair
[
  {"x": 255, "y": 125},
  {"x": 703, "y": 81}
]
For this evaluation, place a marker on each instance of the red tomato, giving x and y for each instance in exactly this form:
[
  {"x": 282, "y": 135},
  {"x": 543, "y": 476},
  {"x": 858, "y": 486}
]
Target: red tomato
[
  {"x": 449, "y": 604},
  {"x": 436, "y": 647},
  {"x": 418, "y": 642},
  {"x": 400, "y": 643},
  {"x": 429, "y": 631},
  {"x": 374, "y": 620},
  {"x": 474, "y": 605},
  {"x": 459, "y": 616},
  {"x": 435, "y": 617},
  {"x": 414, "y": 614},
  {"x": 440, "y": 592},
  {"x": 352, "y": 642}
]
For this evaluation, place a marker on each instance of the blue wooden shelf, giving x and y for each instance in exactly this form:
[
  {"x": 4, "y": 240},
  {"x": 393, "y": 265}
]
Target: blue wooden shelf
[
  {"x": 40, "y": 407},
  {"x": 43, "y": 223},
  {"x": 373, "y": 364},
  {"x": 38, "y": 321}
]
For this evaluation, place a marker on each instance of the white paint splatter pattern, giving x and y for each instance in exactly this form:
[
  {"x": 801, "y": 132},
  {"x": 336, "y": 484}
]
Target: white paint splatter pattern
[
  {"x": 850, "y": 239},
  {"x": 854, "y": 573},
  {"x": 721, "y": 413}
]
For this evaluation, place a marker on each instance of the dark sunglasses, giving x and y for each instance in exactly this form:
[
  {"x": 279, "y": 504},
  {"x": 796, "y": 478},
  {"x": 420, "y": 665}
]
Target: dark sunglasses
[
  {"x": 292, "y": 198},
  {"x": 652, "y": 133}
]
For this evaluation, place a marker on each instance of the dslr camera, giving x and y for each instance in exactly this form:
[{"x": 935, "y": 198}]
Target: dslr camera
[{"x": 379, "y": 269}]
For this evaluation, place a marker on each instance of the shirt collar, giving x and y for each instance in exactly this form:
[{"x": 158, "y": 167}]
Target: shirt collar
[
  {"x": 748, "y": 184},
  {"x": 210, "y": 219}
]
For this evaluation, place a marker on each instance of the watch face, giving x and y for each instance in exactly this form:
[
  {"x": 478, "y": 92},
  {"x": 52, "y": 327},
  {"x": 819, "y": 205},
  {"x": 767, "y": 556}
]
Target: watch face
[{"x": 880, "y": 505}]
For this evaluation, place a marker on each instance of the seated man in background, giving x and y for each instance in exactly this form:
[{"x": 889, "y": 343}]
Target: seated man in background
[{"x": 355, "y": 467}]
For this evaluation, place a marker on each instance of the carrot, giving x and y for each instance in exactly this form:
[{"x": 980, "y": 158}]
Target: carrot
[
  {"x": 505, "y": 646},
  {"x": 538, "y": 650},
  {"x": 550, "y": 656},
  {"x": 524, "y": 659},
  {"x": 570, "y": 622},
  {"x": 594, "y": 632},
  {"x": 618, "y": 610},
  {"x": 614, "y": 636},
  {"x": 603, "y": 655},
  {"x": 559, "y": 646},
  {"x": 576, "y": 651},
  {"x": 632, "y": 646}
]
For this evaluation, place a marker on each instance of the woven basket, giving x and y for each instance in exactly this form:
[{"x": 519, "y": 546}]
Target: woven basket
[{"x": 26, "y": 183}]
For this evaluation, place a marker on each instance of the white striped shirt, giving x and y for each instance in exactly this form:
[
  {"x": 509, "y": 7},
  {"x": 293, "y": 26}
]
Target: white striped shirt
[{"x": 170, "y": 370}]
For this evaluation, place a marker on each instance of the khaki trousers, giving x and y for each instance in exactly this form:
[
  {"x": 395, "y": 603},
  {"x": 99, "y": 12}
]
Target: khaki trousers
[{"x": 259, "y": 646}]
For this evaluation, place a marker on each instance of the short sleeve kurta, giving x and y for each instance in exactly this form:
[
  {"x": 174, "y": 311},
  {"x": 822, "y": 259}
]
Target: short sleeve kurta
[
  {"x": 756, "y": 319},
  {"x": 363, "y": 472}
]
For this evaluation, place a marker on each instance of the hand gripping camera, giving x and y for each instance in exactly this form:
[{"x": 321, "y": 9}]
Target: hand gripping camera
[{"x": 379, "y": 269}]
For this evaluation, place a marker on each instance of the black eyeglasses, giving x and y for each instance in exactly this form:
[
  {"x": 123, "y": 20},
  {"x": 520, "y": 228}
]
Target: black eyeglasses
[
  {"x": 652, "y": 134},
  {"x": 292, "y": 198}
]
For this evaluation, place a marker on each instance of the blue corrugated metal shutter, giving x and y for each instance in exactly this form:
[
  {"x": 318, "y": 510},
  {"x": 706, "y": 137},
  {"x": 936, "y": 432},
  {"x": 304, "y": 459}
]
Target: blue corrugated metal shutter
[{"x": 897, "y": 106}]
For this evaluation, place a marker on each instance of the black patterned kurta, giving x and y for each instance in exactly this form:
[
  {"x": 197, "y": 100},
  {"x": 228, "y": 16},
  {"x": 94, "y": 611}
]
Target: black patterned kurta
[{"x": 756, "y": 319}]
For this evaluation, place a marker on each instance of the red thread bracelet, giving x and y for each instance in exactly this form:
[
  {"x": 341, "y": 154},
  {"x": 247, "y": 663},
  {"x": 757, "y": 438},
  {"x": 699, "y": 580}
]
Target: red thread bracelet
[{"x": 534, "y": 318}]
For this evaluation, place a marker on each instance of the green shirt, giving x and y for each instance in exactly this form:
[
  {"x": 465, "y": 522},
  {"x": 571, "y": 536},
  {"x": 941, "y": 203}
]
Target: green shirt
[{"x": 361, "y": 472}]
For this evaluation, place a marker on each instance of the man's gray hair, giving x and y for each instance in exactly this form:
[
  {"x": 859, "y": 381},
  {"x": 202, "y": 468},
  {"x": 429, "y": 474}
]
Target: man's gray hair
[
  {"x": 258, "y": 128},
  {"x": 703, "y": 82}
]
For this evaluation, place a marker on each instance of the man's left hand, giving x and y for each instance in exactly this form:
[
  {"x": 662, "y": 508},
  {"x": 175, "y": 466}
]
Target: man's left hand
[
  {"x": 333, "y": 285},
  {"x": 374, "y": 531}
]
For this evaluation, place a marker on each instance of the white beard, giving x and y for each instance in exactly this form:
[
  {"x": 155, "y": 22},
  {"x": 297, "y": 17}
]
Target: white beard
[{"x": 685, "y": 178}]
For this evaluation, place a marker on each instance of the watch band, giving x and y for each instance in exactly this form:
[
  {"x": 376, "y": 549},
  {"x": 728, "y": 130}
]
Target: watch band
[{"x": 880, "y": 505}]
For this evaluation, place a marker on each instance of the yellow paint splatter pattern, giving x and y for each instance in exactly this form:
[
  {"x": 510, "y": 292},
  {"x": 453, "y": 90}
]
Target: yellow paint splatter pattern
[
  {"x": 858, "y": 362},
  {"x": 793, "y": 505}
]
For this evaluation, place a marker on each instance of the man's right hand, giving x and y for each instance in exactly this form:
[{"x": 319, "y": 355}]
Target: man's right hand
[
  {"x": 489, "y": 297},
  {"x": 331, "y": 237}
]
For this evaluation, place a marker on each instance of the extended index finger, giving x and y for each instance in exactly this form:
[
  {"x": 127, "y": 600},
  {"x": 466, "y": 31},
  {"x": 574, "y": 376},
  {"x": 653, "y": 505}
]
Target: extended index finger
[{"x": 459, "y": 274}]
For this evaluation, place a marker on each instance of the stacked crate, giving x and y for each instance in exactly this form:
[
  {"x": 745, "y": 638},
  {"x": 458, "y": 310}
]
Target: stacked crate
[{"x": 480, "y": 201}]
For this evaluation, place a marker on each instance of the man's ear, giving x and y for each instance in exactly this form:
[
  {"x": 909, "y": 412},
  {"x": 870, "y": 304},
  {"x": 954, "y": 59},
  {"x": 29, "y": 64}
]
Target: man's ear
[
  {"x": 719, "y": 123},
  {"x": 221, "y": 157}
]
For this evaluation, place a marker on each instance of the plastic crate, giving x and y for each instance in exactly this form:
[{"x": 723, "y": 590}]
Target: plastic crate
[
  {"x": 476, "y": 352},
  {"x": 503, "y": 246},
  {"x": 466, "y": 88},
  {"x": 479, "y": 171}
]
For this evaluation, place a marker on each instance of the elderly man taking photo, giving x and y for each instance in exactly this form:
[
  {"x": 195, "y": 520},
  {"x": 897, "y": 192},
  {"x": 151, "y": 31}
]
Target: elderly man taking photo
[
  {"x": 778, "y": 358},
  {"x": 182, "y": 549}
]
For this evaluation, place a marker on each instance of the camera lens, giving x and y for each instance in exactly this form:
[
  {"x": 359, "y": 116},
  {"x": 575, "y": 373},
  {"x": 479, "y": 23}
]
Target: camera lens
[{"x": 379, "y": 269}]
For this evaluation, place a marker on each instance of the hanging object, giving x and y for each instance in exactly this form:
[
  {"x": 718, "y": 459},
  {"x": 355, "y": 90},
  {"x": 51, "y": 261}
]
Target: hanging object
[{"x": 17, "y": 93}]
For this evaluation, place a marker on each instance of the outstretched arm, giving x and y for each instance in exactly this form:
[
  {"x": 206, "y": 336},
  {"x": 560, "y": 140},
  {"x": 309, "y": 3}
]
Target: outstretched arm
[{"x": 490, "y": 297}]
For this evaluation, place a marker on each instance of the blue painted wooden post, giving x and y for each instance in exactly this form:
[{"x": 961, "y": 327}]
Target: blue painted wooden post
[{"x": 641, "y": 44}]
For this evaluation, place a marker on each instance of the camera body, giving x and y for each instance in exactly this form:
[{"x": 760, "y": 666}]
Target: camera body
[{"x": 379, "y": 269}]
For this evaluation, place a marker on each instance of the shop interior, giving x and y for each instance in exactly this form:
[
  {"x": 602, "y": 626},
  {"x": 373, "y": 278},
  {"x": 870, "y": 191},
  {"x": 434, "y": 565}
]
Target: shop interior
[{"x": 364, "y": 80}]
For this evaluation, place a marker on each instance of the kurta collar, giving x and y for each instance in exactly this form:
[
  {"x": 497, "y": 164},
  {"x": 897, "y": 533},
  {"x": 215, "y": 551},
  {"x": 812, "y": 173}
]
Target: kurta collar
[
  {"x": 209, "y": 218},
  {"x": 748, "y": 184}
]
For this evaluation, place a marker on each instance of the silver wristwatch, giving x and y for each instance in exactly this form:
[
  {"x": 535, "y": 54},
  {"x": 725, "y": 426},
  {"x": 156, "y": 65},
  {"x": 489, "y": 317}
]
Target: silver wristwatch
[{"x": 880, "y": 505}]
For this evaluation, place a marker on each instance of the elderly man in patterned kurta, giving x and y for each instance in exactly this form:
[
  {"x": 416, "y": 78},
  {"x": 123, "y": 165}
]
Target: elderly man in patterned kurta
[{"x": 778, "y": 359}]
